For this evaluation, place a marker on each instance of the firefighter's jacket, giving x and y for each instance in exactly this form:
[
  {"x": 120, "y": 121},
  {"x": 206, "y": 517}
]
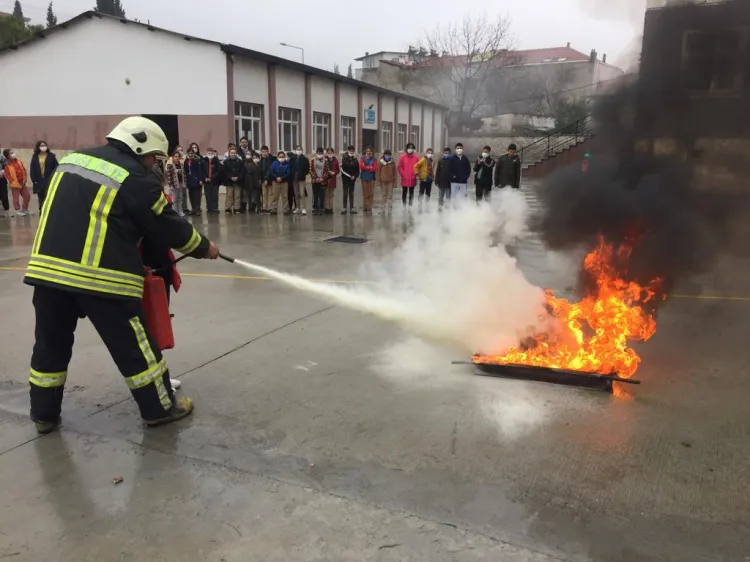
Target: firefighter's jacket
[{"x": 99, "y": 204}]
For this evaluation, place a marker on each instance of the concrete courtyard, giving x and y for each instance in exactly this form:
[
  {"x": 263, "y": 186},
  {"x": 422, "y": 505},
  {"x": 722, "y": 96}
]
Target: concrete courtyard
[{"x": 324, "y": 435}]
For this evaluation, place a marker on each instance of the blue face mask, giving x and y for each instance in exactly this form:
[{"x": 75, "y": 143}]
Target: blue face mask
[
  {"x": 446, "y": 156},
  {"x": 387, "y": 158}
]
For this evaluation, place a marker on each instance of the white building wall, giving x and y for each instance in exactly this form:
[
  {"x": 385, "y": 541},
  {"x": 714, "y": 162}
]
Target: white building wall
[
  {"x": 290, "y": 93},
  {"x": 251, "y": 85},
  {"x": 323, "y": 95},
  {"x": 439, "y": 136},
  {"x": 348, "y": 103},
  {"x": 403, "y": 114},
  {"x": 427, "y": 134},
  {"x": 369, "y": 98},
  {"x": 388, "y": 108},
  {"x": 82, "y": 75}
]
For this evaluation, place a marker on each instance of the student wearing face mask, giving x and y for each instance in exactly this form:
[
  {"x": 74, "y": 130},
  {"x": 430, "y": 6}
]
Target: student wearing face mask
[
  {"x": 266, "y": 159},
  {"x": 406, "y": 164},
  {"x": 368, "y": 168},
  {"x": 319, "y": 179},
  {"x": 253, "y": 180},
  {"x": 333, "y": 173},
  {"x": 483, "y": 170},
  {"x": 461, "y": 172},
  {"x": 386, "y": 177},
  {"x": 508, "y": 169},
  {"x": 300, "y": 170},
  {"x": 349, "y": 175},
  {"x": 195, "y": 177},
  {"x": 234, "y": 177},
  {"x": 212, "y": 167},
  {"x": 281, "y": 172},
  {"x": 4, "y": 187},
  {"x": 426, "y": 175},
  {"x": 176, "y": 182},
  {"x": 43, "y": 164},
  {"x": 444, "y": 177},
  {"x": 18, "y": 178}
]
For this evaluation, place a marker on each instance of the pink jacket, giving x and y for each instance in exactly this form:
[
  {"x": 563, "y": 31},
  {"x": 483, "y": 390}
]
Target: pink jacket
[{"x": 406, "y": 169}]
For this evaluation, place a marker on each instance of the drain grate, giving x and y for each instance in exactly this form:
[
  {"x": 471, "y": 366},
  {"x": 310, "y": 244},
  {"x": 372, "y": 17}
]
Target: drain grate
[{"x": 347, "y": 240}]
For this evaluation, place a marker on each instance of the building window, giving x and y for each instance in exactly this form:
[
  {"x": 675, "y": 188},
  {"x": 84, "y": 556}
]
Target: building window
[
  {"x": 713, "y": 62},
  {"x": 248, "y": 122},
  {"x": 386, "y": 142},
  {"x": 288, "y": 128},
  {"x": 401, "y": 139},
  {"x": 415, "y": 138},
  {"x": 321, "y": 129},
  {"x": 348, "y": 126}
]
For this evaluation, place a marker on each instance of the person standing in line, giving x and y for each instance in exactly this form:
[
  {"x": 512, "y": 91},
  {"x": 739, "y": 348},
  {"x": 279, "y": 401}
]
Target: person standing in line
[
  {"x": 195, "y": 176},
  {"x": 212, "y": 168},
  {"x": 179, "y": 150},
  {"x": 406, "y": 165},
  {"x": 300, "y": 170},
  {"x": 426, "y": 175},
  {"x": 444, "y": 177},
  {"x": 319, "y": 178},
  {"x": 43, "y": 164},
  {"x": 386, "y": 177},
  {"x": 508, "y": 169},
  {"x": 244, "y": 149},
  {"x": 483, "y": 171},
  {"x": 18, "y": 178},
  {"x": 4, "y": 188},
  {"x": 279, "y": 175},
  {"x": 460, "y": 173},
  {"x": 176, "y": 182},
  {"x": 368, "y": 166},
  {"x": 333, "y": 173},
  {"x": 234, "y": 175},
  {"x": 293, "y": 203},
  {"x": 266, "y": 159},
  {"x": 349, "y": 175},
  {"x": 252, "y": 181}
]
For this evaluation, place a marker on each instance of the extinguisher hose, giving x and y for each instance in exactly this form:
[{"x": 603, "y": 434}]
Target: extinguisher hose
[{"x": 222, "y": 256}]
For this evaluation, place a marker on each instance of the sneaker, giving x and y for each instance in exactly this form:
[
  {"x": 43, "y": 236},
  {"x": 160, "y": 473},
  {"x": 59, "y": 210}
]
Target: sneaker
[
  {"x": 353, "y": 211},
  {"x": 20, "y": 213},
  {"x": 304, "y": 212},
  {"x": 296, "y": 211},
  {"x": 182, "y": 408},
  {"x": 175, "y": 384},
  {"x": 343, "y": 212},
  {"x": 43, "y": 428}
]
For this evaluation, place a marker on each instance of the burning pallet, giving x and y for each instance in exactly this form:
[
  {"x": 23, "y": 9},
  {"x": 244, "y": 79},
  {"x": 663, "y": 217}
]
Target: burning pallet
[{"x": 580, "y": 379}]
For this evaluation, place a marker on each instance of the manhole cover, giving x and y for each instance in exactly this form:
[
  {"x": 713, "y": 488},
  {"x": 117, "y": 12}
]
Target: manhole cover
[{"x": 347, "y": 240}]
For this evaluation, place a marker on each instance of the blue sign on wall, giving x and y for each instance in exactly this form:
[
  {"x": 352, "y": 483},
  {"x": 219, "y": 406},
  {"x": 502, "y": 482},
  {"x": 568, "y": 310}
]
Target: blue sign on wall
[{"x": 369, "y": 116}]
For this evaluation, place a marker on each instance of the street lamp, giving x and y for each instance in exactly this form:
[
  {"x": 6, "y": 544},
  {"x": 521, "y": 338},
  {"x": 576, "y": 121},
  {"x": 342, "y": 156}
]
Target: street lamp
[{"x": 295, "y": 47}]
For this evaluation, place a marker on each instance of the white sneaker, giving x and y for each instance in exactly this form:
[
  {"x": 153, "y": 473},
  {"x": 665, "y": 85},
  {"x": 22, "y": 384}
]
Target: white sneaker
[
  {"x": 175, "y": 384},
  {"x": 21, "y": 213},
  {"x": 296, "y": 211},
  {"x": 304, "y": 211}
]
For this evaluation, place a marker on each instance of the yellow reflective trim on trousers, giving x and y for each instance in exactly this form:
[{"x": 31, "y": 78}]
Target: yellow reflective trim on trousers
[
  {"x": 192, "y": 244},
  {"x": 51, "y": 191},
  {"x": 146, "y": 377},
  {"x": 100, "y": 273},
  {"x": 67, "y": 280},
  {"x": 150, "y": 357},
  {"x": 160, "y": 205},
  {"x": 99, "y": 246},
  {"x": 47, "y": 380},
  {"x": 112, "y": 171}
]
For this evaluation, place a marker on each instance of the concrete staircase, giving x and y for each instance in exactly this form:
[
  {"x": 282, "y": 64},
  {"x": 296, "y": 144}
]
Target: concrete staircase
[{"x": 561, "y": 147}]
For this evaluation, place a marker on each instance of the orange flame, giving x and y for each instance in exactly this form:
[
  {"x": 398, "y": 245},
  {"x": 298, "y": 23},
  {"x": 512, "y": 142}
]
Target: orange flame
[{"x": 592, "y": 335}]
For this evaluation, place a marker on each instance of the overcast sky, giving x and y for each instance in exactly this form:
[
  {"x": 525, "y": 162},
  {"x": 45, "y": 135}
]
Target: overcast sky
[{"x": 341, "y": 31}]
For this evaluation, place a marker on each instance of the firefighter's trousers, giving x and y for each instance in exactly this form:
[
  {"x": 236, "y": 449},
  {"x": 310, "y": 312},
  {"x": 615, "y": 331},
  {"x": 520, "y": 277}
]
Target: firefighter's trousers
[{"x": 122, "y": 327}]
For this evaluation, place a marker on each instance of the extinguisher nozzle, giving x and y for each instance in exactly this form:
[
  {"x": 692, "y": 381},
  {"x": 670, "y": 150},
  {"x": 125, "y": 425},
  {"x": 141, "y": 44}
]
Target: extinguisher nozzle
[{"x": 226, "y": 258}]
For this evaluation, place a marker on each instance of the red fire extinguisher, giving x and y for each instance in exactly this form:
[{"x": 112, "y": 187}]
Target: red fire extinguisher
[{"x": 156, "y": 310}]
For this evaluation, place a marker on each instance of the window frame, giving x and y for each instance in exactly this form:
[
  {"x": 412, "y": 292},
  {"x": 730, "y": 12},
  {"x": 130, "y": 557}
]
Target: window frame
[
  {"x": 323, "y": 127},
  {"x": 401, "y": 142},
  {"x": 255, "y": 135},
  {"x": 352, "y": 137},
  {"x": 294, "y": 127},
  {"x": 739, "y": 78},
  {"x": 386, "y": 140},
  {"x": 415, "y": 137}
]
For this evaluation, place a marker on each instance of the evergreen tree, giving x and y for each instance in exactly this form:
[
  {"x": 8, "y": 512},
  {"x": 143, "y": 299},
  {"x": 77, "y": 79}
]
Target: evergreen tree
[
  {"x": 336, "y": 69},
  {"x": 51, "y": 17},
  {"x": 18, "y": 10},
  {"x": 350, "y": 72},
  {"x": 110, "y": 7},
  {"x": 12, "y": 30}
]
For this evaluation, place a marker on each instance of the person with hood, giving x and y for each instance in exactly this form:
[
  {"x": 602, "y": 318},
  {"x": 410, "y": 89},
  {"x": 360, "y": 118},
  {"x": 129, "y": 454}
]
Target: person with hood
[
  {"x": 195, "y": 176},
  {"x": 319, "y": 179},
  {"x": 234, "y": 177},
  {"x": 349, "y": 175},
  {"x": 281, "y": 172},
  {"x": 266, "y": 159},
  {"x": 508, "y": 169},
  {"x": 444, "y": 177},
  {"x": 253, "y": 180},
  {"x": 4, "y": 187},
  {"x": 483, "y": 170},
  {"x": 212, "y": 168},
  {"x": 386, "y": 177},
  {"x": 460, "y": 172},
  {"x": 333, "y": 172},
  {"x": 43, "y": 164},
  {"x": 300, "y": 170},
  {"x": 426, "y": 175},
  {"x": 406, "y": 164},
  {"x": 175, "y": 174},
  {"x": 18, "y": 178}
]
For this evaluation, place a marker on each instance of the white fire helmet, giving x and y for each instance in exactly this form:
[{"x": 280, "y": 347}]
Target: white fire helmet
[{"x": 141, "y": 135}]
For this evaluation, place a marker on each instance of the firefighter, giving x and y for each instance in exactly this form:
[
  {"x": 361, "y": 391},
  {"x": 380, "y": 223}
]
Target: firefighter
[{"x": 85, "y": 262}]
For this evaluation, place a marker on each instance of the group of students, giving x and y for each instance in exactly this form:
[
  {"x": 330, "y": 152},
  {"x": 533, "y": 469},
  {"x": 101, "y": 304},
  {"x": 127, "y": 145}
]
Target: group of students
[
  {"x": 14, "y": 176},
  {"x": 265, "y": 183}
]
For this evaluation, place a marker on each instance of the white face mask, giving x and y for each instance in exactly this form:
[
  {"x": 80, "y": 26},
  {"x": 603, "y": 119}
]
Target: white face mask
[
  {"x": 256, "y": 160},
  {"x": 298, "y": 152},
  {"x": 12, "y": 155},
  {"x": 459, "y": 151},
  {"x": 351, "y": 153},
  {"x": 43, "y": 149},
  {"x": 320, "y": 157},
  {"x": 282, "y": 159},
  {"x": 485, "y": 154},
  {"x": 409, "y": 150},
  {"x": 429, "y": 155}
]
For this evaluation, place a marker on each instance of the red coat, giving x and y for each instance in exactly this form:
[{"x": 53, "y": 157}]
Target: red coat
[{"x": 333, "y": 172}]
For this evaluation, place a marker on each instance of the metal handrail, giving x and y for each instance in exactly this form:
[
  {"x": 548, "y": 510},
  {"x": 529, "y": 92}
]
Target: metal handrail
[{"x": 559, "y": 139}]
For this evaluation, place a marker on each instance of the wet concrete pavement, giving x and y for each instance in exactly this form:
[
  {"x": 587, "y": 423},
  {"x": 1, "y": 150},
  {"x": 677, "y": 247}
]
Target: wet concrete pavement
[{"x": 323, "y": 435}]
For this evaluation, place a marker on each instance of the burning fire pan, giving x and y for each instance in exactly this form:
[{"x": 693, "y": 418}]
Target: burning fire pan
[{"x": 566, "y": 377}]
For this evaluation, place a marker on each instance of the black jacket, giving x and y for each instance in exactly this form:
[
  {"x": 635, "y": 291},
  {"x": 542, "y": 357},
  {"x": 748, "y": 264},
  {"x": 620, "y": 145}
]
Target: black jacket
[
  {"x": 216, "y": 169},
  {"x": 252, "y": 175},
  {"x": 265, "y": 166},
  {"x": 300, "y": 166},
  {"x": 35, "y": 171},
  {"x": 443, "y": 174},
  {"x": 483, "y": 172},
  {"x": 460, "y": 169},
  {"x": 195, "y": 173},
  {"x": 234, "y": 168},
  {"x": 508, "y": 171},
  {"x": 350, "y": 165},
  {"x": 99, "y": 256}
]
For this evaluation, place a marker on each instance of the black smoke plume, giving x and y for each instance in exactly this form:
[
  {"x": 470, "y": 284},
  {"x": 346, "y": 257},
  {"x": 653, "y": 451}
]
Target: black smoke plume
[{"x": 633, "y": 193}]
